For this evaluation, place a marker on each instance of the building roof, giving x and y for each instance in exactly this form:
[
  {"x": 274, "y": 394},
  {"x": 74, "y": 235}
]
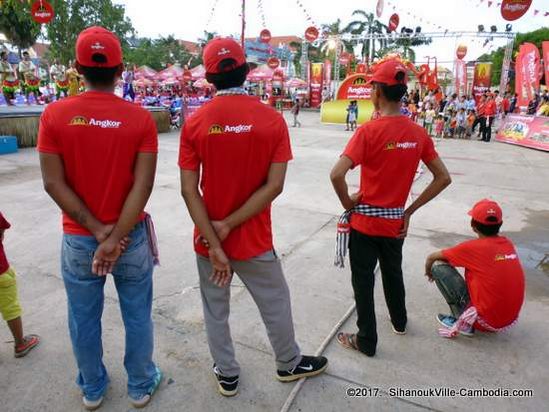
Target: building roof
[{"x": 191, "y": 47}]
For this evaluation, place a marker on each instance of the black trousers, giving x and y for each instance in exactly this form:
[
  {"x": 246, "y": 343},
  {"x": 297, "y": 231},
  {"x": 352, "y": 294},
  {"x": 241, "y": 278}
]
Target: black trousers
[
  {"x": 487, "y": 131},
  {"x": 364, "y": 253}
]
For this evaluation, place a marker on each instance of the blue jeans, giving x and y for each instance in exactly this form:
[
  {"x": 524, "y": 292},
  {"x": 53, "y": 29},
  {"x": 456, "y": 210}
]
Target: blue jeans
[{"x": 132, "y": 276}]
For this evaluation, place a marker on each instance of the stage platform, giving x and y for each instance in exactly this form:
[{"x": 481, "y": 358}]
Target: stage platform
[{"x": 22, "y": 122}]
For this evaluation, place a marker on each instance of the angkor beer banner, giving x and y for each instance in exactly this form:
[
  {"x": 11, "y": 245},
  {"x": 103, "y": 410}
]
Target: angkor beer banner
[
  {"x": 529, "y": 131},
  {"x": 482, "y": 79},
  {"x": 460, "y": 77},
  {"x": 545, "y": 48},
  {"x": 527, "y": 73},
  {"x": 316, "y": 82},
  {"x": 354, "y": 87}
]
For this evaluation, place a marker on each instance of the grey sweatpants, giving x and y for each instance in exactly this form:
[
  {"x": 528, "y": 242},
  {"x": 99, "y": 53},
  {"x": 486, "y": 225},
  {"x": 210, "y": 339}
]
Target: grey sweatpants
[{"x": 264, "y": 279}]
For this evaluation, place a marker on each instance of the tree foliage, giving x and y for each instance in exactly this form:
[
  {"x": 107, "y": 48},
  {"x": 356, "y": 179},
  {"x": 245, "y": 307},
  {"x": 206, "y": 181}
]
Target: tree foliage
[
  {"x": 496, "y": 57},
  {"x": 158, "y": 53},
  {"x": 73, "y": 16},
  {"x": 17, "y": 25},
  {"x": 368, "y": 24}
]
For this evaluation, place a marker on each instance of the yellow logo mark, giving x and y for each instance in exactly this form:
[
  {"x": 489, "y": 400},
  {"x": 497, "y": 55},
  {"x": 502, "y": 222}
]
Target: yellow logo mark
[
  {"x": 360, "y": 80},
  {"x": 390, "y": 146},
  {"x": 79, "y": 121},
  {"x": 215, "y": 129},
  {"x": 499, "y": 258}
]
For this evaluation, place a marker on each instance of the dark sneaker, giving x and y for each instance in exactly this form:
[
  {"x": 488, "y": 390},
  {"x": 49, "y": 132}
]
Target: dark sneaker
[
  {"x": 227, "y": 386},
  {"x": 448, "y": 321},
  {"x": 309, "y": 366}
]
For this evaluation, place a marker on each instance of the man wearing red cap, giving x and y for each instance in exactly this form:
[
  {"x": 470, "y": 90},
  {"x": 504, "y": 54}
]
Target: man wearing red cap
[
  {"x": 388, "y": 151},
  {"x": 233, "y": 157},
  {"x": 98, "y": 159},
  {"x": 491, "y": 296}
]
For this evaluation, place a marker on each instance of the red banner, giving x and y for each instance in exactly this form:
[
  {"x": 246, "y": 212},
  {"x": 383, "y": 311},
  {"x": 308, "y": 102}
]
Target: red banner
[
  {"x": 545, "y": 48},
  {"x": 42, "y": 12},
  {"x": 529, "y": 131},
  {"x": 482, "y": 79},
  {"x": 355, "y": 87},
  {"x": 460, "y": 77},
  {"x": 317, "y": 80},
  {"x": 514, "y": 9},
  {"x": 527, "y": 73}
]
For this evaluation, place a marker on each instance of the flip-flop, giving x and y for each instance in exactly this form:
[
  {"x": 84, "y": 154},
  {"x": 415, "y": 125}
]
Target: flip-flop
[{"x": 347, "y": 340}]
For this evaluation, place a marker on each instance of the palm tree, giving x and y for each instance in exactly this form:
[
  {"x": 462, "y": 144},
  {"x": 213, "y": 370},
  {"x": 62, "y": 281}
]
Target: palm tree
[
  {"x": 334, "y": 31},
  {"x": 208, "y": 35},
  {"x": 367, "y": 24}
]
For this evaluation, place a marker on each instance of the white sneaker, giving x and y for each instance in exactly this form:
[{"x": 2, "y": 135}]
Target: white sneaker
[{"x": 92, "y": 405}]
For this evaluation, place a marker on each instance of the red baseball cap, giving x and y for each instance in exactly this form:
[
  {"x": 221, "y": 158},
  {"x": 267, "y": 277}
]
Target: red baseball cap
[
  {"x": 97, "y": 40},
  {"x": 220, "y": 49},
  {"x": 487, "y": 212},
  {"x": 386, "y": 72}
]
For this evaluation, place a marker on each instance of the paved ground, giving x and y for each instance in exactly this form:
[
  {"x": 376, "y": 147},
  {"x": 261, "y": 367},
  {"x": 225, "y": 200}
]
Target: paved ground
[{"x": 305, "y": 221}]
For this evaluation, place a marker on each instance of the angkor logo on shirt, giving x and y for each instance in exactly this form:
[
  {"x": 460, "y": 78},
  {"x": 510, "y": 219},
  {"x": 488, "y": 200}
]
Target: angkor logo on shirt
[
  {"x": 502, "y": 257},
  {"x": 104, "y": 124},
  {"x": 400, "y": 145},
  {"x": 215, "y": 129},
  {"x": 79, "y": 121},
  {"x": 239, "y": 128}
]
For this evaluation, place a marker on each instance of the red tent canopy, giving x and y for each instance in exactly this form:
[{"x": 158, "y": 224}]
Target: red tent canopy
[
  {"x": 198, "y": 72},
  {"x": 296, "y": 83},
  {"x": 170, "y": 72},
  {"x": 145, "y": 72},
  {"x": 261, "y": 73}
]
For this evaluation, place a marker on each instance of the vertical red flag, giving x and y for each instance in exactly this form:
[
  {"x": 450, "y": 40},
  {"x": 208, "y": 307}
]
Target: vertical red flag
[
  {"x": 327, "y": 73},
  {"x": 545, "y": 47},
  {"x": 527, "y": 73},
  {"x": 317, "y": 78},
  {"x": 461, "y": 77}
]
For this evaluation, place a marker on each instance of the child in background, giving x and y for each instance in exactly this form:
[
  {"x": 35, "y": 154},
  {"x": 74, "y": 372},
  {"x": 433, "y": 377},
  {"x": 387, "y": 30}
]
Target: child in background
[
  {"x": 429, "y": 118},
  {"x": 461, "y": 123},
  {"x": 452, "y": 124},
  {"x": 470, "y": 122},
  {"x": 9, "y": 301},
  {"x": 439, "y": 127}
]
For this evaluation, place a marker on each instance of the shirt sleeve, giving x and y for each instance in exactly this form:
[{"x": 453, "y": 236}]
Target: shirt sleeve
[
  {"x": 283, "y": 150},
  {"x": 47, "y": 140},
  {"x": 355, "y": 149},
  {"x": 4, "y": 224},
  {"x": 429, "y": 152},
  {"x": 149, "y": 142},
  {"x": 188, "y": 156},
  {"x": 459, "y": 256}
]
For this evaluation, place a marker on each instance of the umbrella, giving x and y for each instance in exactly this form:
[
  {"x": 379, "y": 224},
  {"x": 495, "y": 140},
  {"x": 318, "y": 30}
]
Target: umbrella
[
  {"x": 198, "y": 72},
  {"x": 297, "y": 83},
  {"x": 202, "y": 84},
  {"x": 174, "y": 71},
  {"x": 261, "y": 73},
  {"x": 145, "y": 72}
]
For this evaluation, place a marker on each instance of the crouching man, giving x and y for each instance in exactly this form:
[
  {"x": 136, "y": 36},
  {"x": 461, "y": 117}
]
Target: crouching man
[{"x": 490, "y": 297}]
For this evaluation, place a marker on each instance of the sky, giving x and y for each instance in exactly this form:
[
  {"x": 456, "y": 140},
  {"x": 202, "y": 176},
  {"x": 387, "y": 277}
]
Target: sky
[{"x": 187, "y": 19}]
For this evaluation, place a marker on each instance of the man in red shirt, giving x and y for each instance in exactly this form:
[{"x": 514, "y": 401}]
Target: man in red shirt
[
  {"x": 233, "y": 158},
  {"x": 492, "y": 294},
  {"x": 98, "y": 159},
  {"x": 388, "y": 151},
  {"x": 490, "y": 111}
]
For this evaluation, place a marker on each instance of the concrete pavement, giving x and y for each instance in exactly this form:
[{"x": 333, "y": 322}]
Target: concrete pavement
[{"x": 304, "y": 218}]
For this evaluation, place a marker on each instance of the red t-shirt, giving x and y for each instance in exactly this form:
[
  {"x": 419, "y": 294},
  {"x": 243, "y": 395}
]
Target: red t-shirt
[
  {"x": 490, "y": 109},
  {"x": 388, "y": 151},
  {"x": 234, "y": 140},
  {"x": 98, "y": 135},
  {"x": 506, "y": 104},
  {"x": 494, "y": 277},
  {"x": 481, "y": 109},
  {"x": 4, "y": 265}
]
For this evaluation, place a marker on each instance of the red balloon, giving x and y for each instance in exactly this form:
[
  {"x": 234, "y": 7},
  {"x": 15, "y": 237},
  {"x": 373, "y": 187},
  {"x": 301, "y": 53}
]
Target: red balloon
[
  {"x": 514, "y": 9},
  {"x": 42, "y": 12},
  {"x": 265, "y": 36},
  {"x": 393, "y": 22},
  {"x": 273, "y": 62},
  {"x": 311, "y": 34}
]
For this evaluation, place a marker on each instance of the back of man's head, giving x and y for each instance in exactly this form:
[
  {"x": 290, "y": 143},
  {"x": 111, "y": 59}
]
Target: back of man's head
[{"x": 225, "y": 63}]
